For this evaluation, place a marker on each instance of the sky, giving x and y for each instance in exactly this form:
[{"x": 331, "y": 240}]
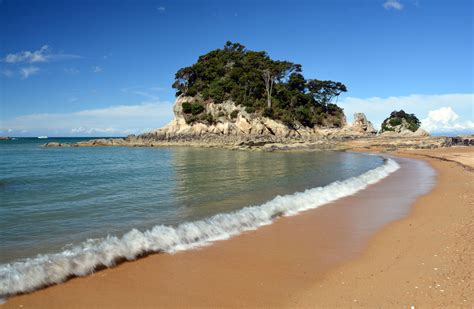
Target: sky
[{"x": 105, "y": 68}]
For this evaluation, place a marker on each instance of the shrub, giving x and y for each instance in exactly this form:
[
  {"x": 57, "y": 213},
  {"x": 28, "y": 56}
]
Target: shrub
[
  {"x": 287, "y": 118},
  {"x": 234, "y": 114},
  {"x": 187, "y": 108},
  {"x": 318, "y": 119},
  {"x": 395, "y": 122},
  {"x": 268, "y": 112},
  {"x": 250, "y": 109},
  {"x": 192, "y": 119},
  {"x": 385, "y": 128},
  {"x": 209, "y": 118},
  {"x": 196, "y": 109}
]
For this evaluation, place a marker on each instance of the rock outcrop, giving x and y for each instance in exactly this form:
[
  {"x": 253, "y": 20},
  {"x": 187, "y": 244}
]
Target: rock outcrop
[
  {"x": 463, "y": 140},
  {"x": 362, "y": 125},
  {"x": 232, "y": 120},
  {"x": 402, "y": 129},
  {"x": 401, "y": 123}
]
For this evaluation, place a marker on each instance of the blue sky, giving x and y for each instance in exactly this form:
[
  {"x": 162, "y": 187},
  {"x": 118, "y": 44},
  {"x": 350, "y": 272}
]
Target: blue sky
[{"x": 105, "y": 68}]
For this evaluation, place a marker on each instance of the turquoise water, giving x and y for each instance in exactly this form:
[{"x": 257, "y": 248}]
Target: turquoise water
[
  {"x": 66, "y": 211},
  {"x": 52, "y": 198}
]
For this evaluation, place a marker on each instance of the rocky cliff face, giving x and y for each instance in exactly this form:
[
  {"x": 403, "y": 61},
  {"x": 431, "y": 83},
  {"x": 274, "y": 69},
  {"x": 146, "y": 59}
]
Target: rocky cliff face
[
  {"x": 233, "y": 120},
  {"x": 229, "y": 119}
]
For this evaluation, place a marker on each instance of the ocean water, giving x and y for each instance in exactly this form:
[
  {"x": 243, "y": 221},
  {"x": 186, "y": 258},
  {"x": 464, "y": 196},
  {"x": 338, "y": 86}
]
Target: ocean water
[{"x": 65, "y": 211}]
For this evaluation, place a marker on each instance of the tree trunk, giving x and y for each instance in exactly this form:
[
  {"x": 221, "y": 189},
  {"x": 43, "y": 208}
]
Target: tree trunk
[{"x": 268, "y": 79}]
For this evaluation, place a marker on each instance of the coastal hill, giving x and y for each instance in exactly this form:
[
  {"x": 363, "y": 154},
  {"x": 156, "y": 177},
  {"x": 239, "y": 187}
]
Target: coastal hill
[
  {"x": 262, "y": 86},
  {"x": 235, "y": 91}
]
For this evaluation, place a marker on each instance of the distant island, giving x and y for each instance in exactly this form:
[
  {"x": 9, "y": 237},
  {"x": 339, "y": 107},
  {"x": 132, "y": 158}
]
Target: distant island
[{"x": 263, "y": 86}]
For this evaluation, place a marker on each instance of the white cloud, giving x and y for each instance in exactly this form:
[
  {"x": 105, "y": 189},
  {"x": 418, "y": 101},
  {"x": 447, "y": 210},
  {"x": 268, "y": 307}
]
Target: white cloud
[
  {"x": 445, "y": 119},
  {"x": 44, "y": 54},
  {"x": 393, "y": 4},
  {"x": 377, "y": 108},
  {"x": 97, "y": 69},
  {"x": 28, "y": 71},
  {"x": 39, "y": 55},
  {"x": 8, "y": 73},
  {"x": 161, "y": 9},
  {"x": 110, "y": 121}
]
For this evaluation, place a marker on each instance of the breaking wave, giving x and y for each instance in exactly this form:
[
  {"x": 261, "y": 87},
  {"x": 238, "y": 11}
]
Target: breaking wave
[{"x": 33, "y": 273}]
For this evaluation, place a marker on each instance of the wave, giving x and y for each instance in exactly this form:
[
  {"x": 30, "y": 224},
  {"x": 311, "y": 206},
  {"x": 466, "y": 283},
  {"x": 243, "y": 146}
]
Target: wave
[{"x": 33, "y": 273}]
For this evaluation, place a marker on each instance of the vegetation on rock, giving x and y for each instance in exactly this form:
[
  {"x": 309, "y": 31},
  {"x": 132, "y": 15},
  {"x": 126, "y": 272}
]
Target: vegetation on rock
[
  {"x": 398, "y": 118},
  {"x": 274, "y": 89}
]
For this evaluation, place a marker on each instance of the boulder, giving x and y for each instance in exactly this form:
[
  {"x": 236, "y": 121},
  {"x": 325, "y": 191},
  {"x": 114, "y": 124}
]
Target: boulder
[{"x": 421, "y": 133}]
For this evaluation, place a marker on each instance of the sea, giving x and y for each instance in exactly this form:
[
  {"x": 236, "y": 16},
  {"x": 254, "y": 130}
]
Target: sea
[{"x": 66, "y": 211}]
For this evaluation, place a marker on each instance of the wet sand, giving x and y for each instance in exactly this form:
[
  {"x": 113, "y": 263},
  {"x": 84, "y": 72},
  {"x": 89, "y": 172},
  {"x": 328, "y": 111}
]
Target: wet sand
[{"x": 327, "y": 257}]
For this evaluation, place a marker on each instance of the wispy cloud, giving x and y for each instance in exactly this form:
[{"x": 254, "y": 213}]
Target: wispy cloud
[
  {"x": 72, "y": 71},
  {"x": 377, "y": 108},
  {"x": 28, "y": 71},
  {"x": 161, "y": 9},
  {"x": 146, "y": 92},
  {"x": 393, "y": 4},
  {"x": 97, "y": 69},
  {"x": 110, "y": 121},
  {"x": 8, "y": 73},
  {"x": 44, "y": 54}
]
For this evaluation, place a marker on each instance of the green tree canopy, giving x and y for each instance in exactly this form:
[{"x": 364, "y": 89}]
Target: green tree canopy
[
  {"x": 276, "y": 89},
  {"x": 396, "y": 118}
]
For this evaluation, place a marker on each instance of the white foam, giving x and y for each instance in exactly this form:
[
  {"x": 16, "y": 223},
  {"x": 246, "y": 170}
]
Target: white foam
[{"x": 30, "y": 274}]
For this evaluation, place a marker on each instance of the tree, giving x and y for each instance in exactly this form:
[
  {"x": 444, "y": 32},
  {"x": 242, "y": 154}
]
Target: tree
[
  {"x": 324, "y": 91},
  {"x": 277, "y": 71},
  {"x": 182, "y": 79},
  {"x": 296, "y": 82},
  {"x": 273, "y": 88}
]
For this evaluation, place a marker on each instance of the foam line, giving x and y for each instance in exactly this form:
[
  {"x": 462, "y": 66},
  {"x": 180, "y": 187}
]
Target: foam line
[{"x": 33, "y": 273}]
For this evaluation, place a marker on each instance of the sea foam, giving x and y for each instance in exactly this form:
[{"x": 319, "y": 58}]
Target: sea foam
[{"x": 33, "y": 273}]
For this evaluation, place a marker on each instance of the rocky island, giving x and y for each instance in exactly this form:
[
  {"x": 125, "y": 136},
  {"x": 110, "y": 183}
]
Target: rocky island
[{"x": 237, "y": 98}]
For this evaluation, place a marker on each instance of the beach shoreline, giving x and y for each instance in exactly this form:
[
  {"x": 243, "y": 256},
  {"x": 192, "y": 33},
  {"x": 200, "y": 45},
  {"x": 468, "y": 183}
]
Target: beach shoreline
[
  {"x": 424, "y": 260},
  {"x": 123, "y": 286}
]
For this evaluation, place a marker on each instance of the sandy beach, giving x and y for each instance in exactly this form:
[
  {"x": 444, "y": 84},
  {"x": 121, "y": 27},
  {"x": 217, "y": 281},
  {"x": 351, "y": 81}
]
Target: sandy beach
[{"x": 341, "y": 255}]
